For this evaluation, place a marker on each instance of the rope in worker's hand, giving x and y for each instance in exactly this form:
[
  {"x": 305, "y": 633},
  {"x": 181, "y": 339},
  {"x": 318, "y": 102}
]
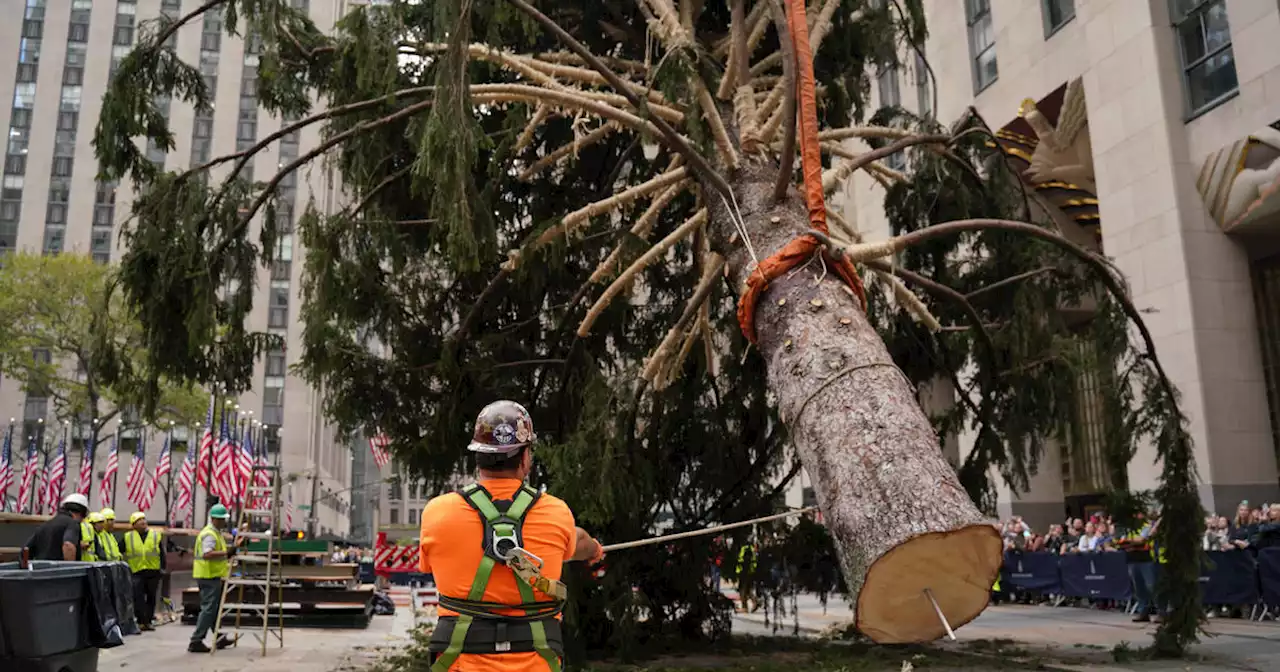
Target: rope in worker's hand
[{"x": 706, "y": 530}]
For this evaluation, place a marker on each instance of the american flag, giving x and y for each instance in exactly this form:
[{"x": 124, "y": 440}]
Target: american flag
[
  {"x": 109, "y": 476},
  {"x": 206, "y": 445},
  {"x": 186, "y": 486},
  {"x": 263, "y": 478},
  {"x": 42, "y": 487},
  {"x": 288, "y": 510},
  {"x": 378, "y": 444},
  {"x": 86, "y": 468},
  {"x": 28, "y": 478},
  {"x": 136, "y": 481},
  {"x": 58, "y": 474},
  {"x": 6, "y": 469},
  {"x": 244, "y": 465},
  {"x": 224, "y": 484},
  {"x": 163, "y": 466}
]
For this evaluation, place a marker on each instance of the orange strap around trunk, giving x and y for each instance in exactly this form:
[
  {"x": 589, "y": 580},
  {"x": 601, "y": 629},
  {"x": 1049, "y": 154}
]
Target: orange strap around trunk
[{"x": 800, "y": 249}]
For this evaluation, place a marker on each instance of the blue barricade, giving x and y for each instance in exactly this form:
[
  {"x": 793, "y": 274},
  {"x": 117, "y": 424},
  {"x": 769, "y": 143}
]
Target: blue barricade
[
  {"x": 1226, "y": 577},
  {"x": 1032, "y": 572},
  {"x": 1269, "y": 575},
  {"x": 1229, "y": 578},
  {"x": 1099, "y": 576},
  {"x": 409, "y": 579}
]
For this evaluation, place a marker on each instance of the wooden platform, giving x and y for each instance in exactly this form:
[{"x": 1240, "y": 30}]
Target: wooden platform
[{"x": 303, "y": 605}]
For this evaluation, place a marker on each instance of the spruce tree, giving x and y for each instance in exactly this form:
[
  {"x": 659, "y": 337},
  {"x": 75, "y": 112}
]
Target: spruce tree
[{"x": 562, "y": 205}]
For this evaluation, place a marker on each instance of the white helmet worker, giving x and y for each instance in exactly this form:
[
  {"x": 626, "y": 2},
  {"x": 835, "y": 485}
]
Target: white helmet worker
[{"x": 76, "y": 503}]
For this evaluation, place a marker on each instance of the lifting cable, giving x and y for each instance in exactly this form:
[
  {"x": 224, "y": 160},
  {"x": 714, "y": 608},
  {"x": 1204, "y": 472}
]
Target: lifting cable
[{"x": 803, "y": 247}]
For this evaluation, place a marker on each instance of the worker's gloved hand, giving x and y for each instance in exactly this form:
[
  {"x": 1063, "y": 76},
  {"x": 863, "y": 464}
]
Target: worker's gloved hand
[{"x": 598, "y": 556}]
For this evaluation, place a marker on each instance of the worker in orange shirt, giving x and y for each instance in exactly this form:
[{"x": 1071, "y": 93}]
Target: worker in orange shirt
[{"x": 495, "y": 548}]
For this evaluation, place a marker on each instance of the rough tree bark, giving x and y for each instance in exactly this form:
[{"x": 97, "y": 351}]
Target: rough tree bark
[{"x": 901, "y": 521}]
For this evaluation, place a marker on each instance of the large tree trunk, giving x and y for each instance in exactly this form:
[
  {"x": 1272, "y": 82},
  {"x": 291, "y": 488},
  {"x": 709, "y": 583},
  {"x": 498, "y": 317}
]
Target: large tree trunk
[{"x": 902, "y": 523}]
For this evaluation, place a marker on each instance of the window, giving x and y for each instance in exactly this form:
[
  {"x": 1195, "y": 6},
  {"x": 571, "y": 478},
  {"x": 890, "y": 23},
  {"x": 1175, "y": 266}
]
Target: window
[
  {"x": 68, "y": 121},
  {"x": 1057, "y": 13},
  {"x": 79, "y": 32},
  {"x": 395, "y": 516},
  {"x": 413, "y": 516},
  {"x": 24, "y": 95},
  {"x": 203, "y": 128},
  {"x": 54, "y": 240},
  {"x": 57, "y": 213},
  {"x": 890, "y": 96},
  {"x": 76, "y": 55},
  {"x": 29, "y": 51},
  {"x": 982, "y": 43},
  {"x": 284, "y": 251},
  {"x": 273, "y": 391},
  {"x": 73, "y": 76},
  {"x": 247, "y": 130},
  {"x": 210, "y": 41},
  {"x": 71, "y": 96},
  {"x": 887, "y": 85},
  {"x": 62, "y": 166},
  {"x": 18, "y": 140},
  {"x": 275, "y": 363},
  {"x": 21, "y": 118},
  {"x": 32, "y": 30},
  {"x": 27, "y": 72},
  {"x": 106, "y": 194},
  {"x": 15, "y": 164},
  {"x": 123, "y": 36},
  {"x": 1208, "y": 62},
  {"x": 924, "y": 92}
]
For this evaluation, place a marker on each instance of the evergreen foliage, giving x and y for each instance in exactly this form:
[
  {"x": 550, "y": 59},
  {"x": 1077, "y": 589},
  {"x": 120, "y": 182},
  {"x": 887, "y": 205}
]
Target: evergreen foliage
[{"x": 411, "y": 322}]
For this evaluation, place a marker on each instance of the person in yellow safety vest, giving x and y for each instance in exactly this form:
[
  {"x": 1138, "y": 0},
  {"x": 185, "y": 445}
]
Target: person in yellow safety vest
[
  {"x": 211, "y": 566},
  {"x": 144, "y": 552},
  {"x": 90, "y": 546},
  {"x": 746, "y": 576},
  {"x": 110, "y": 545}
]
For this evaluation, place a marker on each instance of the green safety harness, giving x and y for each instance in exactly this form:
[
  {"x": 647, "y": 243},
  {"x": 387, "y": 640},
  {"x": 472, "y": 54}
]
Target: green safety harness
[{"x": 482, "y": 628}]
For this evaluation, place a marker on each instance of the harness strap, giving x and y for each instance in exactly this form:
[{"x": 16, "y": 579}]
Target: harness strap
[{"x": 475, "y": 606}]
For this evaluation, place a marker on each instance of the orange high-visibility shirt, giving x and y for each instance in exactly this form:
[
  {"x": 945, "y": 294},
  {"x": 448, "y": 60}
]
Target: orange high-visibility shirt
[{"x": 450, "y": 550}]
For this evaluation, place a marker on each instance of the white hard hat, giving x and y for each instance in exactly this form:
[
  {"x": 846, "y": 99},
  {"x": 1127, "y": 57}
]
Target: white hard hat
[{"x": 78, "y": 499}]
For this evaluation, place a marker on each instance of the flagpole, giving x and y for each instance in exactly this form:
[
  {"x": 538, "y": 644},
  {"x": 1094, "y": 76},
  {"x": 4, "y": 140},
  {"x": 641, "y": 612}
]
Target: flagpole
[
  {"x": 4, "y": 496},
  {"x": 93, "y": 436},
  {"x": 37, "y": 440},
  {"x": 62, "y": 487},
  {"x": 115, "y": 478}
]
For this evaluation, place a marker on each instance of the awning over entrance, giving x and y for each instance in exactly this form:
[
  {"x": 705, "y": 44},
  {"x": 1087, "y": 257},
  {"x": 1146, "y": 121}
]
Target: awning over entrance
[{"x": 1240, "y": 183}]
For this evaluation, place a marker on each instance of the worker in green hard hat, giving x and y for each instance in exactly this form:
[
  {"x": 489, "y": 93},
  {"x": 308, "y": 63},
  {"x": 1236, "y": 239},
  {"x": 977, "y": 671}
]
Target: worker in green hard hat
[{"x": 211, "y": 566}]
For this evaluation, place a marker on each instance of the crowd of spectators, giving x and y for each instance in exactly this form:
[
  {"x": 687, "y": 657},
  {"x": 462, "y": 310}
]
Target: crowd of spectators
[{"x": 1251, "y": 529}]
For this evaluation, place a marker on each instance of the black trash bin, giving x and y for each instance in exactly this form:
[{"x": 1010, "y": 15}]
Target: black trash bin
[
  {"x": 48, "y": 616},
  {"x": 42, "y": 610}
]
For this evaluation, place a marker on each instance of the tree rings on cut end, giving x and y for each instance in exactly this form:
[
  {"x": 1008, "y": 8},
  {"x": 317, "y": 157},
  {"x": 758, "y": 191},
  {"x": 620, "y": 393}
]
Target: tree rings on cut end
[{"x": 958, "y": 567}]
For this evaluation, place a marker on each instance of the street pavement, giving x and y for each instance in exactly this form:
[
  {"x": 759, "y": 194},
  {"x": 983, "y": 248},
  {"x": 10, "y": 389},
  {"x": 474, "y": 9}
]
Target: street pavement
[
  {"x": 1232, "y": 644},
  {"x": 305, "y": 649}
]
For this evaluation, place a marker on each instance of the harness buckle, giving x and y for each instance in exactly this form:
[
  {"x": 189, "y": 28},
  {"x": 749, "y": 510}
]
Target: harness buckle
[{"x": 502, "y": 647}]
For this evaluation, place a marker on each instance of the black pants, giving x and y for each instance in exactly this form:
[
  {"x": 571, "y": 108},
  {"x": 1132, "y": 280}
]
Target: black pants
[{"x": 146, "y": 586}]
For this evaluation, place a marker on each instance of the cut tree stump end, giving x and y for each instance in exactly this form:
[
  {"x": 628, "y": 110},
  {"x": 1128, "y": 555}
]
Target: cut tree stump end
[{"x": 958, "y": 566}]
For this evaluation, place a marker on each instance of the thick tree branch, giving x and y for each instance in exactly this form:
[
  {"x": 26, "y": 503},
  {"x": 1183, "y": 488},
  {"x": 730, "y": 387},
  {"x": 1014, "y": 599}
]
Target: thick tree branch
[
  {"x": 269, "y": 190},
  {"x": 674, "y": 140},
  {"x": 710, "y": 277},
  {"x": 570, "y": 148},
  {"x": 832, "y": 178}
]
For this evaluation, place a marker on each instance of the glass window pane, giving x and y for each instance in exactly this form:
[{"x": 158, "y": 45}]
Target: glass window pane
[
  {"x": 1216, "y": 29},
  {"x": 1214, "y": 78},
  {"x": 987, "y": 68},
  {"x": 1192, "y": 40}
]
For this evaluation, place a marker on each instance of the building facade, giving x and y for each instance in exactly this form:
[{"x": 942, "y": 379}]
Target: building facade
[
  {"x": 61, "y": 54},
  {"x": 1177, "y": 181}
]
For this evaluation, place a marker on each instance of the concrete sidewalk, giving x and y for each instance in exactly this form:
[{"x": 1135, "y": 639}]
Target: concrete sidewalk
[
  {"x": 305, "y": 649},
  {"x": 1073, "y": 632}
]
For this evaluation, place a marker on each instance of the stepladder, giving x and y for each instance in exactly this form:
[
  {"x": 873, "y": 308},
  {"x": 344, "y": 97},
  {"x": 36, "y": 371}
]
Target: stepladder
[{"x": 252, "y": 601}]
